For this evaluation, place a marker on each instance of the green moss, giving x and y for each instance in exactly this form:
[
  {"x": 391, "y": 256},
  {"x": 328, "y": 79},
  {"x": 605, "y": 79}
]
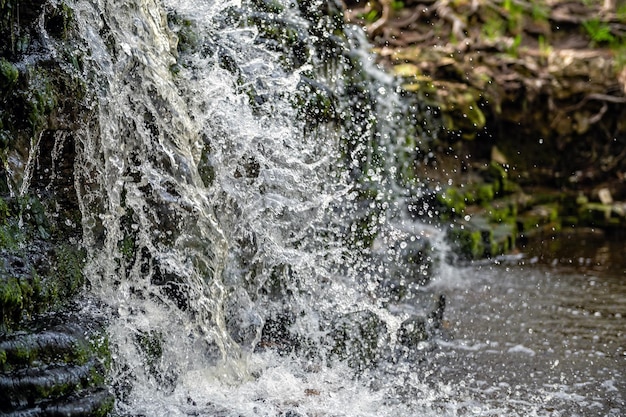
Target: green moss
[
  {"x": 10, "y": 237},
  {"x": 100, "y": 346},
  {"x": 485, "y": 193},
  {"x": 105, "y": 409},
  {"x": 316, "y": 104},
  {"x": 151, "y": 345},
  {"x": 496, "y": 174},
  {"x": 540, "y": 217},
  {"x": 25, "y": 290},
  {"x": 8, "y": 74},
  {"x": 69, "y": 269},
  {"x": 33, "y": 212},
  {"x": 11, "y": 299},
  {"x": 503, "y": 210},
  {"x": 40, "y": 98},
  {"x": 467, "y": 242},
  {"x": 4, "y": 211},
  {"x": 453, "y": 200},
  {"x": 60, "y": 21}
]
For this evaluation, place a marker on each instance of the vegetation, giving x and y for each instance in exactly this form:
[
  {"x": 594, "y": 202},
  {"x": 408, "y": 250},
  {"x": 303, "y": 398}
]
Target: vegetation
[
  {"x": 48, "y": 355},
  {"x": 517, "y": 84}
]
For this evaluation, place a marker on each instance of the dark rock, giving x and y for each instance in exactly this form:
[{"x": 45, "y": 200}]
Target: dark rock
[
  {"x": 55, "y": 366},
  {"x": 412, "y": 331},
  {"x": 359, "y": 338},
  {"x": 89, "y": 403},
  {"x": 277, "y": 334}
]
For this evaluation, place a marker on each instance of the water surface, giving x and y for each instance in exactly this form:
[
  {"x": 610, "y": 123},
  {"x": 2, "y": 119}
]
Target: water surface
[{"x": 540, "y": 333}]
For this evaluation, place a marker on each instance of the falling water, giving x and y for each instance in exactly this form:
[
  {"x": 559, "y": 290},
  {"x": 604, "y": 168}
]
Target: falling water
[
  {"x": 229, "y": 233},
  {"x": 208, "y": 212}
]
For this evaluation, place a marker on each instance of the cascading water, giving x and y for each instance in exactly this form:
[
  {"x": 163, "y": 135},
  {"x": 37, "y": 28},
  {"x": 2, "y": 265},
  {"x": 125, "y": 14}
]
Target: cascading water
[{"x": 221, "y": 224}]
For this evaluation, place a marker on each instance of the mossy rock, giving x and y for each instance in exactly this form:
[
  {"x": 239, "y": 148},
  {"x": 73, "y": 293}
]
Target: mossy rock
[
  {"x": 502, "y": 211},
  {"x": 56, "y": 362},
  {"x": 481, "y": 237},
  {"x": 539, "y": 218},
  {"x": 485, "y": 193},
  {"x": 316, "y": 103},
  {"x": 606, "y": 216},
  {"x": 503, "y": 239},
  {"x": 467, "y": 243},
  {"x": 35, "y": 274},
  {"x": 282, "y": 35},
  {"x": 8, "y": 74},
  {"x": 454, "y": 202}
]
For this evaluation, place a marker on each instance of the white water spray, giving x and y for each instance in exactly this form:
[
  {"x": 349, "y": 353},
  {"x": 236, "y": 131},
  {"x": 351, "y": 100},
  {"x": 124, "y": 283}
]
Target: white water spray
[{"x": 211, "y": 214}]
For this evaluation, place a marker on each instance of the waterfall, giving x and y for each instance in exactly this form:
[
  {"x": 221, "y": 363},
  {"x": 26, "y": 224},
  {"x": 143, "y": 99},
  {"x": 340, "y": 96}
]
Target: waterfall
[{"x": 221, "y": 222}]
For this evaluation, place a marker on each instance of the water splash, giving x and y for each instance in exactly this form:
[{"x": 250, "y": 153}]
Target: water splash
[{"x": 220, "y": 221}]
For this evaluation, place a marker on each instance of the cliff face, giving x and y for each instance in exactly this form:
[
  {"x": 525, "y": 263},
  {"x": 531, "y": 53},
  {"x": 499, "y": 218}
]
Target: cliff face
[{"x": 52, "y": 360}]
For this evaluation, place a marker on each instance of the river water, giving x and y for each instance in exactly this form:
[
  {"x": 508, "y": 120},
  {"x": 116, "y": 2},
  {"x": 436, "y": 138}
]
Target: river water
[
  {"x": 540, "y": 333},
  {"x": 221, "y": 229}
]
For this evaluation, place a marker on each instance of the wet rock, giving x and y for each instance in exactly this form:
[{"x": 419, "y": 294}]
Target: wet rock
[
  {"x": 277, "y": 334},
  {"x": 89, "y": 403},
  {"x": 359, "y": 338},
  {"x": 412, "y": 331},
  {"x": 242, "y": 321},
  {"x": 420, "y": 328},
  {"x": 55, "y": 366},
  {"x": 25, "y": 386}
]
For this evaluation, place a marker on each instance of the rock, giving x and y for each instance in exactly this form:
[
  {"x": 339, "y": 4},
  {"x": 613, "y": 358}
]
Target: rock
[
  {"x": 412, "y": 331},
  {"x": 276, "y": 334},
  {"x": 56, "y": 366},
  {"x": 242, "y": 321},
  {"x": 359, "y": 338}
]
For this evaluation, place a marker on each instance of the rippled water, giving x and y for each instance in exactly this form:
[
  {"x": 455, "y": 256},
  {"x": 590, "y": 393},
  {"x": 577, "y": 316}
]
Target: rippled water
[{"x": 542, "y": 333}]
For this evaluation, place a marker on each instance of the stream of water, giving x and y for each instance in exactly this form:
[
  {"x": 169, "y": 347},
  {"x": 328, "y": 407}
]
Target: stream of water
[
  {"x": 216, "y": 221},
  {"x": 541, "y": 331}
]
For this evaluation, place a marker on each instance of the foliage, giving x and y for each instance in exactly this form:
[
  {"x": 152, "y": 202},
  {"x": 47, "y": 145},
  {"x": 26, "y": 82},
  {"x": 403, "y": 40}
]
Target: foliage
[
  {"x": 8, "y": 74},
  {"x": 539, "y": 11},
  {"x": 598, "y": 31},
  {"x": 514, "y": 47},
  {"x": 397, "y": 5},
  {"x": 515, "y": 18}
]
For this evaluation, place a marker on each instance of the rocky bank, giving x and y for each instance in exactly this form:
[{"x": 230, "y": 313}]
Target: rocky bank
[{"x": 532, "y": 97}]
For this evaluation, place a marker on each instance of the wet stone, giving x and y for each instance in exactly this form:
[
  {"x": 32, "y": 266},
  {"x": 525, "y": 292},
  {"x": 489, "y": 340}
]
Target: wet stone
[
  {"x": 359, "y": 338},
  {"x": 412, "y": 331},
  {"x": 55, "y": 366}
]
